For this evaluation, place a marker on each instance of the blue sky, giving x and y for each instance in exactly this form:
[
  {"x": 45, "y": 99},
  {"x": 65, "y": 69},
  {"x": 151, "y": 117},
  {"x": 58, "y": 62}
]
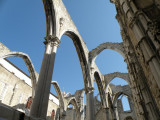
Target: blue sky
[{"x": 23, "y": 28}]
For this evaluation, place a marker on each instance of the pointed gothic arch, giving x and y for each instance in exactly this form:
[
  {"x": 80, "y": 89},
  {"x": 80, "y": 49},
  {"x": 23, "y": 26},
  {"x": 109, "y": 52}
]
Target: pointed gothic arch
[
  {"x": 50, "y": 17},
  {"x": 29, "y": 65},
  {"x": 118, "y": 47},
  {"x": 119, "y": 94},
  {"x": 109, "y": 77},
  {"x": 59, "y": 23},
  {"x": 73, "y": 101},
  {"x": 82, "y": 55},
  {"x": 100, "y": 89},
  {"x": 59, "y": 94}
]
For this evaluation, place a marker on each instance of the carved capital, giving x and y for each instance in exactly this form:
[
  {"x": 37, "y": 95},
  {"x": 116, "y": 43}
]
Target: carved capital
[
  {"x": 89, "y": 89},
  {"x": 51, "y": 39}
]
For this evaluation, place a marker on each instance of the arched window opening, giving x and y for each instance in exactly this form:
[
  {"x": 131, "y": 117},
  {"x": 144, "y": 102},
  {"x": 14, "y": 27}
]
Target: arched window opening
[
  {"x": 29, "y": 102},
  {"x": 70, "y": 106},
  {"x": 125, "y": 104},
  {"x": 114, "y": 84},
  {"x": 53, "y": 115},
  {"x": 71, "y": 112}
]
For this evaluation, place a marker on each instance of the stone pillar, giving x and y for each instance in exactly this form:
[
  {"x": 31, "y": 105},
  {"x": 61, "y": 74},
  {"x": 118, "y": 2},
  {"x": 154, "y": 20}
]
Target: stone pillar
[
  {"x": 90, "y": 105},
  {"x": 133, "y": 80},
  {"x": 106, "y": 114},
  {"x": 75, "y": 114},
  {"x": 81, "y": 112},
  {"x": 40, "y": 101},
  {"x": 149, "y": 54},
  {"x": 144, "y": 98}
]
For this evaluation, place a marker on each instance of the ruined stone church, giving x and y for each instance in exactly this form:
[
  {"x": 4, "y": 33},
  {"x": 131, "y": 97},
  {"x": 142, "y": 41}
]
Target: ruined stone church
[{"x": 24, "y": 97}]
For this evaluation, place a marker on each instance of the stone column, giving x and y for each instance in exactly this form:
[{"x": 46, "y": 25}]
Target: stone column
[
  {"x": 137, "y": 23},
  {"x": 106, "y": 114},
  {"x": 149, "y": 54},
  {"x": 81, "y": 112},
  {"x": 40, "y": 101},
  {"x": 90, "y": 105}
]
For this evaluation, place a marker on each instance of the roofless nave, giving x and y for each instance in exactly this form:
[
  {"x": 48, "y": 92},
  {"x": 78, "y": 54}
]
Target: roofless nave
[{"x": 139, "y": 22}]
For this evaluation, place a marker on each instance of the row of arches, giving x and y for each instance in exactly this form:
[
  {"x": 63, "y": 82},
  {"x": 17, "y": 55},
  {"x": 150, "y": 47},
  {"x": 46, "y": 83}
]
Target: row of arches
[
  {"x": 96, "y": 75},
  {"x": 59, "y": 23}
]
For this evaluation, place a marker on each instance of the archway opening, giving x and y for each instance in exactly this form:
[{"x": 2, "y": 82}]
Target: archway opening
[
  {"x": 100, "y": 87},
  {"x": 53, "y": 115},
  {"x": 115, "y": 86},
  {"x": 67, "y": 71},
  {"x": 125, "y": 103},
  {"x": 70, "y": 113},
  {"x": 118, "y": 81},
  {"x": 109, "y": 61}
]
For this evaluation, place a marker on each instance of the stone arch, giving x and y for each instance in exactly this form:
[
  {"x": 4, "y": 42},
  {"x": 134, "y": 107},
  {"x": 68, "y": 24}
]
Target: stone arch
[
  {"x": 81, "y": 52},
  {"x": 59, "y": 23},
  {"x": 29, "y": 65},
  {"x": 50, "y": 17},
  {"x": 119, "y": 94},
  {"x": 109, "y": 77},
  {"x": 100, "y": 88},
  {"x": 73, "y": 101},
  {"x": 79, "y": 95},
  {"x": 59, "y": 94},
  {"x": 118, "y": 47}
]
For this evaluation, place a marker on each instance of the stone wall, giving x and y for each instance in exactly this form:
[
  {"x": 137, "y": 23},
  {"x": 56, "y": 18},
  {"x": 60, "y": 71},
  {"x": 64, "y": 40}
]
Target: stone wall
[{"x": 15, "y": 91}]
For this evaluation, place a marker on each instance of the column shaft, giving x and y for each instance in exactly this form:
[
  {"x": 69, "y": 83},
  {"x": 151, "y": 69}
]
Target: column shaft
[
  {"x": 40, "y": 101},
  {"x": 90, "y": 106}
]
